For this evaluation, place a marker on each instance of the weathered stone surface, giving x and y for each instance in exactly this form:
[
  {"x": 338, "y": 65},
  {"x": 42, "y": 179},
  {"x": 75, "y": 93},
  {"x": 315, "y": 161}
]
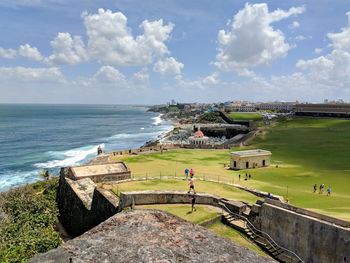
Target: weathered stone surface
[
  {"x": 82, "y": 205},
  {"x": 314, "y": 240},
  {"x": 149, "y": 236}
]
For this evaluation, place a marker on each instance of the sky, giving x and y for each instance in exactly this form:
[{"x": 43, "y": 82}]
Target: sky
[{"x": 153, "y": 51}]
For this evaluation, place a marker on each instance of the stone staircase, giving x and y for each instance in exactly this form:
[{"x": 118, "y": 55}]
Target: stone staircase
[{"x": 243, "y": 225}]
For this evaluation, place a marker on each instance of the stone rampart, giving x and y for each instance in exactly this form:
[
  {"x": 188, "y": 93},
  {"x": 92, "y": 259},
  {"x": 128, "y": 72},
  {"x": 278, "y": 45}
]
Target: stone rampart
[
  {"x": 164, "y": 197},
  {"x": 303, "y": 211},
  {"x": 82, "y": 206},
  {"x": 314, "y": 240}
]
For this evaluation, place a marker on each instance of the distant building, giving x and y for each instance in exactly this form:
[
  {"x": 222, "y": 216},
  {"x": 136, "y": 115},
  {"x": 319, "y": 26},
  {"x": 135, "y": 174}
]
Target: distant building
[
  {"x": 243, "y": 108},
  {"x": 198, "y": 138},
  {"x": 98, "y": 172},
  {"x": 341, "y": 110},
  {"x": 276, "y": 106},
  {"x": 250, "y": 159}
]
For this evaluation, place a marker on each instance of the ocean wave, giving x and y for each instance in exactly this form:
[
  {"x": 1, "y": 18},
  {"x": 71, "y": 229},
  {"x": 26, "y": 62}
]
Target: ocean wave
[
  {"x": 134, "y": 135},
  {"x": 9, "y": 179},
  {"x": 157, "y": 120},
  {"x": 71, "y": 157}
]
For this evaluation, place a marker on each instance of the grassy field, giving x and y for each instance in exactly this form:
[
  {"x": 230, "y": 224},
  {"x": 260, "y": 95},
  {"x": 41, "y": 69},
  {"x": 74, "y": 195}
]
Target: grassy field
[
  {"x": 202, "y": 214},
  {"x": 245, "y": 116},
  {"x": 230, "y": 233},
  {"x": 307, "y": 151},
  {"x": 181, "y": 185}
]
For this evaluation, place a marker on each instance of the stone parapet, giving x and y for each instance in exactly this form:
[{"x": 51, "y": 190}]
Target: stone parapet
[
  {"x": 314, "y": 240},
  {"x": 303, "y": 211}
]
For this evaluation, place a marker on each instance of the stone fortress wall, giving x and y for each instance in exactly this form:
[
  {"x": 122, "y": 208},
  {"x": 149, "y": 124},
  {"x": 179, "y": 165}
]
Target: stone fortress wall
[
  {"x": 83, "y": 205},
  {"x": 314, "y": 237}
]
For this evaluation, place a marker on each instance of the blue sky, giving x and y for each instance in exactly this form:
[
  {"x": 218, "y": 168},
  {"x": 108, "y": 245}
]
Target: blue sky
[{"x": 127, "y": 51}]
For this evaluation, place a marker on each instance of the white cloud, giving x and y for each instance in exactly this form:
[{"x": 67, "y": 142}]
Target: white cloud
[
  {"x": 23, "y": 74},
  {"x": 300, "y": 37},
  {"x": 294, "y": 25},
  {"x": 25, "y": 51},
  {"x": 7, "y": 53},
  {"x": 67, "y": 50},
  {"x": 251, "y": 40},
  {"x": 111, "y": 41},
  {"x": 341, "y": 40},
  {"x": 110, "y": 77},
  {"x": 30, "y": 52},
  {"x": 109, "y": 74},
  {"x": 318, "y": 50},
  {"x": 211, "y": 79},
  {"x": 332, "y": 69},
  {"x": 141, "y": 77},
  {"x": 168, "y": 66}
]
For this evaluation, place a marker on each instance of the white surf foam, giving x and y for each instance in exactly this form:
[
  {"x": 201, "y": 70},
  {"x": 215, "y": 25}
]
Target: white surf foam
[
  {"x": 125, "y": 136},
  {"x": 157, "y": 120},
  {"x": 71, "y": 157},
  {"x": 9, "y": 179}
]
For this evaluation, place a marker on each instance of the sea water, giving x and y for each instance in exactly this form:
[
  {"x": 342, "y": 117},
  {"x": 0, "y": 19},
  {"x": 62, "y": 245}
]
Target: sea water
[{"x": 46, "y": 137}]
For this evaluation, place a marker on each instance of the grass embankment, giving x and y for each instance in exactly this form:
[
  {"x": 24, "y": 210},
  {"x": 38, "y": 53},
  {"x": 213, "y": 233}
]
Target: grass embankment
[
  {"x": 203, "y": 213},
  {"x": 245, "y": 116},
  {"x": 28, "y": 216},
  {"x": 308, "y": 151},
  {"x": 181, "y": 185},
  {"x": 225, "y": 231}
]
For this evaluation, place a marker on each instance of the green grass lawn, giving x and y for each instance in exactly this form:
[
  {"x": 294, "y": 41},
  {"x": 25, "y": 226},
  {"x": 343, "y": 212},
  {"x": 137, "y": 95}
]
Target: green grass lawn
[
  {"x": 245, "y": 116},
  {"x": 202, "y": 214},
  {"x": 308, "y": 151},
  {"x": 181, "y": 185},
  {"x": 237, "y": 237}
]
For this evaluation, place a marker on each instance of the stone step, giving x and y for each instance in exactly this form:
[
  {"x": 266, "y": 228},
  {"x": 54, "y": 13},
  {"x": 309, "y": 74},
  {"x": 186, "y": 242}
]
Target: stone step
[
  {"x": 239, "y": 224},
  {"x": 277, "y": 252},
  {"x": 261, "y": 241},
  {"x": 247, "y": 211},
  {"x": 283, "y": 257}
]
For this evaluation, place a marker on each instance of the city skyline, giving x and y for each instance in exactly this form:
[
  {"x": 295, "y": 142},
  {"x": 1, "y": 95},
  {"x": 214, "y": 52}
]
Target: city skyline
[{"x": 151, "y": 52}]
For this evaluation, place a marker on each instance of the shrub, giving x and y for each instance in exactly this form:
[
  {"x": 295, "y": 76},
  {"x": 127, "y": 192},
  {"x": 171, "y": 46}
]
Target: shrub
[{"x": 27, "y": 226}]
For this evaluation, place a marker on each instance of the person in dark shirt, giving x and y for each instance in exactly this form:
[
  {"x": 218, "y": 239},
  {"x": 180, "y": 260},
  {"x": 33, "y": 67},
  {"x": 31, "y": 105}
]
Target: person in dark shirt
[{"x": 193, "y": 201}]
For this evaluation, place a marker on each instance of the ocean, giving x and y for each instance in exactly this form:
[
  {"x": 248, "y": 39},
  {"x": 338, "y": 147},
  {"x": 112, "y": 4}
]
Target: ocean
[{"x": 46, "y": 137}]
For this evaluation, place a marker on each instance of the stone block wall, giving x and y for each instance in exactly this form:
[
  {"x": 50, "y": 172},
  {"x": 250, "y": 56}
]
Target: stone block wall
[
  {"x": 82, "y": 206},
  {"x": 164, "y": 197},
  {"x": 314, "y": 240}
]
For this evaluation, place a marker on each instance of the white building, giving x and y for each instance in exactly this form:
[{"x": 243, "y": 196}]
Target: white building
[{"x": 250, "y": 159}]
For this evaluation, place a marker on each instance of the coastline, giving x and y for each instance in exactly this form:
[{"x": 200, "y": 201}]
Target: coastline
[
  {"x": 164, "y": 134},
  {"x": 111, "y": 127}
]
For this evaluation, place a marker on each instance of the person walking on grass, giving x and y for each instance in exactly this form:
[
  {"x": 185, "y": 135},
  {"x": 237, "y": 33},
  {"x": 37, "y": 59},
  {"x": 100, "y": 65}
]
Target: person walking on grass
[
  {"x": 191, "y": 172},
  {"x": 321, "y": 189},
  {"x": 191, "y": 184},
  {"x": 315, "y": 188},
  {"x": 186, "y": 173},
  {"x": 193, "y": 201},
  {"x": 329, "y": 191},
  {"x": 239, "y": 177}
]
